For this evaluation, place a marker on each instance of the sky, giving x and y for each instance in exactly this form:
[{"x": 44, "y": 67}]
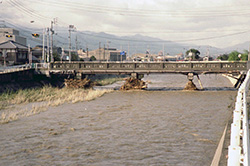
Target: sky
[{"x": 218, "y": 23}]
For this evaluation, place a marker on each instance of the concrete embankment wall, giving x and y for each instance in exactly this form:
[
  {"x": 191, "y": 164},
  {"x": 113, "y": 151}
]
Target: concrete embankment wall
[
  {"x": 27, "y": 79},
  {"x": 17, "y": 76}
]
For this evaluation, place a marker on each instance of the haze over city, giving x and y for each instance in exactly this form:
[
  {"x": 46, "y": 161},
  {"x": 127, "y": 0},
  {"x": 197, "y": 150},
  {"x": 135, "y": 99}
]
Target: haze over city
[{"x": 219, "y": 24}]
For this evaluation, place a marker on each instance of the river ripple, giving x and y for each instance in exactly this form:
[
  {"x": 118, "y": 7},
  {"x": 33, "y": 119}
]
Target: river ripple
[{"x": 122, "y": 128}]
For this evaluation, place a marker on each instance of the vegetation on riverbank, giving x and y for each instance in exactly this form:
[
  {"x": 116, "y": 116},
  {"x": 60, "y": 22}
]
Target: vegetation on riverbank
[
  {"x": 42, "y": 98},
  {"x": 15, "y": 104}
]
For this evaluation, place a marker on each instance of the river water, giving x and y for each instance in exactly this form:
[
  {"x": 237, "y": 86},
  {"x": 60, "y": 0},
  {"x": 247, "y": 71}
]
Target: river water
[{"x": 161, "y": 126}]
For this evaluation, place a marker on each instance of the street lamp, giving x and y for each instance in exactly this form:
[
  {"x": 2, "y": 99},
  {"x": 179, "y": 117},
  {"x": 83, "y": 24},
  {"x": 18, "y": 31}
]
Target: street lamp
[{"x": 4, "y": 57}]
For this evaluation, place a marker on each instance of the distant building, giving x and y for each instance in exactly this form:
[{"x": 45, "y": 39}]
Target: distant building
[
  {"x": 7, "y": 34},
  {"x": 207, "y": 58},
  {"x": 12, "y": 53},
  {"x": 180, "y": 56},
  {"x": 82, "y": 55},
  {"x": 117, "y": 56},
  {"x": 110, "y": 54}
]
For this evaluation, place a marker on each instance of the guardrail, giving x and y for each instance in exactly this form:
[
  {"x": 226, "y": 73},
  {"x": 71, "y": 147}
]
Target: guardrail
[
  {"x": 9, "y": 69},
  {"x": 40, "y": 65},
  {"x": 16, "y": 68},
  {"x": 238, "y": 151}
]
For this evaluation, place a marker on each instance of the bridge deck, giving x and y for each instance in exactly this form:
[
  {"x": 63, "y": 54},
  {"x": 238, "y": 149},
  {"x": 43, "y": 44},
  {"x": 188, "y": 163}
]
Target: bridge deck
[{"x": 151, "y": 67}]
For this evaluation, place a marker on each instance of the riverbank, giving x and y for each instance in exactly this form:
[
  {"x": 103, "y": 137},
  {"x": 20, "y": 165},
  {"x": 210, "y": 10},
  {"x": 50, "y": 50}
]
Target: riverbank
[
  {"x": 57, "y": 81},
  {"x": 27, "y": 98},
  {"x": 24, "y": 103}
]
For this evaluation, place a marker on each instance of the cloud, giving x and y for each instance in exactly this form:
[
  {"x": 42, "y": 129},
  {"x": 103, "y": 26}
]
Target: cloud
[{"x": 176, "y": 19}]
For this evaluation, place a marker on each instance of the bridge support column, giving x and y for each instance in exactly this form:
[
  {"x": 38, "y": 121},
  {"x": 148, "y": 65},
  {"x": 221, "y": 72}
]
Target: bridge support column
[
  {"x": 190, "y": 85},
  {"x": 199, "y": 81},
  {"x": 137, "y": 76},
  {"x": 47, "y": 73},
  {"x": 80, "y": 76},
  {"x": 134, "y": 82}
]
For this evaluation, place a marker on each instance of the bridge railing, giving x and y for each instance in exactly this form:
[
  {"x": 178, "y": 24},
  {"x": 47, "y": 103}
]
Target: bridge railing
[
  {"x": 40, "y": 65},
  {"x": 15, "y": 68},
  {"x": 9, "y": 69},
  {"x": 211, "y": 66},
  {"x": 238, "y": 151}
]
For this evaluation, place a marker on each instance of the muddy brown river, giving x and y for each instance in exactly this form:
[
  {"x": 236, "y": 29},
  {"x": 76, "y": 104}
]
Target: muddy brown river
[{"x": 160, "y": 126}]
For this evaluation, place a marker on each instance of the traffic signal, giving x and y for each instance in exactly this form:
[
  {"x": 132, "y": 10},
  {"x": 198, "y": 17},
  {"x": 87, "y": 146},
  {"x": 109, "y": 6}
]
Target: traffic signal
[
  {"x": 9, "y": 36},
  {"x": 35, "y": 35}
]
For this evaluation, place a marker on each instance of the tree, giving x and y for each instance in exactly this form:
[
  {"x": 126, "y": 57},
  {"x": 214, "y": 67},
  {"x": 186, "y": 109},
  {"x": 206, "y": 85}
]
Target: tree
[
  {"x": 56, "y": 57},
  {"x": 223, "y": 57},
  {"x": 244, "y": 56},
  {"x": 195, "y": 54},
  {"x": 74, "y": 57},
  {"x": 234, "y": 56},
  {"x": 92, "y": 58}
]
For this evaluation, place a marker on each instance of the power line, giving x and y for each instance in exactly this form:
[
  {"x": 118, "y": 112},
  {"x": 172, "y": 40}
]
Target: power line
[
  {"x": 24, "y": 9},
  {"x": 24, "y": 29},
  {"x": 115, "y": 8},
  {"x": 145, "y": 13}
]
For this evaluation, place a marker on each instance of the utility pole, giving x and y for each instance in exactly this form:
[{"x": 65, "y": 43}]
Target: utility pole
[
  {"x": 108, "y": 55},
  {"x": 43, "y": 57},
  {"x": 163, "y": 49},
  {"x": 99, "y": 50},
  {"x": 30, "y": 55},
  {"x": 4, "y": 57},
  {"x": 51, "y": 42},
  {"x": 76, "y": 43},
  {"x": 51, "y": 38},
  {"x": 128, "y": 50},
  {"x": 104, "y": 52},
  {"x": 69, "y": 45},
  {"x": 121, "y": 54},
  {"x": 47, "y": 44},
  {"x": 62, "y": 54},
  {"x": 70, "y": 29},
  {"x": 87, "y": 49}
]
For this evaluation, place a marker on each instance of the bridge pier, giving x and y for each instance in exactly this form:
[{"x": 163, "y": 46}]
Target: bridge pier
[
  {"x": 79, "y": 75},
  {"x": 137, "y": 76},
  {"x": 190, "y": 85},
  {"x": 134, "y": 82}
]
